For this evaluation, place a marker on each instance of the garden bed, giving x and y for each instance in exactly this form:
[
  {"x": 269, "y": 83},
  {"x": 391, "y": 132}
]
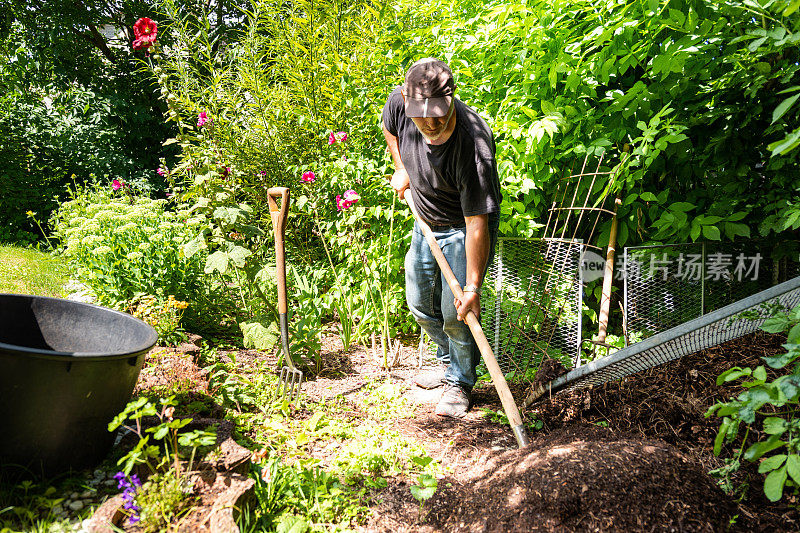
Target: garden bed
[{"x": 630, "y": 455}]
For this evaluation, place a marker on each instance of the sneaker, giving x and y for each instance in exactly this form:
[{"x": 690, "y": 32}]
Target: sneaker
[
  {"x": 430, "y": 379},
  {"x": 455, "y": 402}
]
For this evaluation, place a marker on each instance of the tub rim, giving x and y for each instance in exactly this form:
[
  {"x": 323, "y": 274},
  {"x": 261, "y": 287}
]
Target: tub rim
[{"x": 141, "y": 348}]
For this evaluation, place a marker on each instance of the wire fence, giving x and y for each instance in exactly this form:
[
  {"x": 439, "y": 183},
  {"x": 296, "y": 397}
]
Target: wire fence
[
  {"x": 730, "y": 322},
  {"x": 667, "y": 285},
  {"x": 531, "y": 305},
  {"x": 531, "y": 299}
]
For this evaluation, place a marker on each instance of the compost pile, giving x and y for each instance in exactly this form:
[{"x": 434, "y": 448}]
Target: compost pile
[{"x": 632, "y": 455}]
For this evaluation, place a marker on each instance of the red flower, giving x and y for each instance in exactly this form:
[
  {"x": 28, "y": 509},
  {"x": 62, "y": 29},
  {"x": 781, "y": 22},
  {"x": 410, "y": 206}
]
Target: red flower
[{"x": 145, "y": 31}]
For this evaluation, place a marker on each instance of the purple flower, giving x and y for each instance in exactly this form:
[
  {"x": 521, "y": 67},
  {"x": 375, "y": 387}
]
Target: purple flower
[
  {"x": 129, "y": 487},
  {"x": 202, "y": 118}
]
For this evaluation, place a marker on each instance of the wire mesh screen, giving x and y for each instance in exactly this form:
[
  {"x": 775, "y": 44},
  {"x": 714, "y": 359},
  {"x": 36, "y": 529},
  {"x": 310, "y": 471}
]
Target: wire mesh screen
[
  {"x": 665, "y": 286},
  {"x": 531, "y": 303},
  {"x": 731, "y": 322}
]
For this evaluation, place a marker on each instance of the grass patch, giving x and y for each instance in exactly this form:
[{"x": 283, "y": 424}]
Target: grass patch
[{"x": 30, "y": 271}]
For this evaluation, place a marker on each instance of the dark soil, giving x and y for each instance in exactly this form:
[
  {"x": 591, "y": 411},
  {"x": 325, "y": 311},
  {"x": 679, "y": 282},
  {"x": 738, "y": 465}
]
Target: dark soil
[{"x": 632, "y": 455}]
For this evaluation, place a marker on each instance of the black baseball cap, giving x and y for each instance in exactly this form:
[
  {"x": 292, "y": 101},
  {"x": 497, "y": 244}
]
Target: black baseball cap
[{"x": 428, "y": 89}]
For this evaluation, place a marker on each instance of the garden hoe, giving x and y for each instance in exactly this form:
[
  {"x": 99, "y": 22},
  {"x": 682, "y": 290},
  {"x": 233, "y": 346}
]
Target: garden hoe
[
  {"x": 474, "y": 324},
  {"x": 290, "y": 377}
]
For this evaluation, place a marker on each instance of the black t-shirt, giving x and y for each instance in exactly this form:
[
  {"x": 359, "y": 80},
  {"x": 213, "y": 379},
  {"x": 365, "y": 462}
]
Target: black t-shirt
[{"x": 455, "y": 179}]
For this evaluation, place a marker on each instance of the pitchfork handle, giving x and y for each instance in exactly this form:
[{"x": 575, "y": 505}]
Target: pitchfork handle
[
  {"x": 278, "y": 215},
  {"x": 474, "y": 324}
]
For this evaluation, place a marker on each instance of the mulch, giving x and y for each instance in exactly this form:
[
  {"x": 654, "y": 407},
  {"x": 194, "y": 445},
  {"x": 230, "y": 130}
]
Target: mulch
[{"x": 631, "y": 455}]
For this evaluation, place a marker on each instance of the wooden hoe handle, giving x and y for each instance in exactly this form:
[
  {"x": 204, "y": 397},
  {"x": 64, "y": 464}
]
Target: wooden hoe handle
[{"x": 498, "y": 379}]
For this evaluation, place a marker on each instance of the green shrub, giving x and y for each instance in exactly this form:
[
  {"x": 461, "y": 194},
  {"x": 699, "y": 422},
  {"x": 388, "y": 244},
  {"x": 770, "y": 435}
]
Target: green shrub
[
  {"x": 126, "y": 247},
  {"x": 771, "y": 405}
]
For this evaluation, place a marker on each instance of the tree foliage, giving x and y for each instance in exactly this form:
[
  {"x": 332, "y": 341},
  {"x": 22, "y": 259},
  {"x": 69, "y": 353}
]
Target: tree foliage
[{"x": 703, "y": 94}]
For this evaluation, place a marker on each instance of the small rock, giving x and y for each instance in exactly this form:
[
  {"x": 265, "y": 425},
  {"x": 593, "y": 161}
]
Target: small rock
[
  {"x": 76, "y": 505},
  {"x": 74, "y": 496},
  {"x": 87, "y": 494},
  {"x": 86, "y": 523},
  {"x": 99, "y": 473},
  {"x": 57, "y": 509},
  {"x": 110, "y": 483}
]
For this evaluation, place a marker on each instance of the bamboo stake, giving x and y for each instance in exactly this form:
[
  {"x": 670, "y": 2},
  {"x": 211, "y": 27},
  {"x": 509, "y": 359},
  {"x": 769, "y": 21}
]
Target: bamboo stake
[
  {"x": 608, "y": 276},
  {"x": 498, "y": 379}
]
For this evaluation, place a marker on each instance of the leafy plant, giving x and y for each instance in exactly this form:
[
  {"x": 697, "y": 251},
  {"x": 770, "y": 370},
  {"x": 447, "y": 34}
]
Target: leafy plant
[
  {"x": 162, "y": 498},
  {"x": 167, "y": 431},
  {"x": 164, "y": 316},
  {"x": 295, "y": 497},
  {"x": 769, "y": 403},
  {"x": 424, "y": 490}
]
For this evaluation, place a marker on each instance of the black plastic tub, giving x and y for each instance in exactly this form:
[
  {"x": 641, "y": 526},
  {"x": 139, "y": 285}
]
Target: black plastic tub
[{"x": 66, "y": 370}]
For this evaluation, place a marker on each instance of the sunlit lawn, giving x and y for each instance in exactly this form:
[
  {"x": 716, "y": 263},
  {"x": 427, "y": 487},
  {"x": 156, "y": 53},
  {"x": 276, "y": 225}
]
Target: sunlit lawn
[{"x": 29, "y": 271}]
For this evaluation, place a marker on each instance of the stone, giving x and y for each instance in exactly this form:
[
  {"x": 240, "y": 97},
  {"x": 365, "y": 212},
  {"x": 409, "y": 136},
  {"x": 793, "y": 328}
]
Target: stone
[
  {"x": 110, "y": 483},
  {"x": 57, "y": 509},
  {"x": 74, "y": 496},
  {"x": 77, "y": 505},
  {"x": 87, "y": 494},
  {"x": 108, "y": 517}
]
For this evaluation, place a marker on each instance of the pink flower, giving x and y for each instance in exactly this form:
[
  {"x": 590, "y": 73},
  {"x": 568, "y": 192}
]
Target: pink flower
[
  {"x": 145, "y": 31},
  {"x": 161, "y": 172},
  {"x": 347, "y": 200},
  {"x": 338, "y": 137},
  {"x": 225, "y": 172},
  {"x": 308, "y": 177},
  {"x": 117, "y": 185},
  {"x": 202, "y": 118}
]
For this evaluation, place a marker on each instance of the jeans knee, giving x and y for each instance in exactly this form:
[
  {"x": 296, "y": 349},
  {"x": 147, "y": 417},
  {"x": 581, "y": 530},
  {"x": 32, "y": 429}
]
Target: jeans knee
[{"x": 458, "y": 331}]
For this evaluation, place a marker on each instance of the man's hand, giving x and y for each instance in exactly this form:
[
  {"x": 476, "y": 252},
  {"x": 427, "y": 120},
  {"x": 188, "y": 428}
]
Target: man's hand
[
  {"x": 470, "y": 302},
  {"x": 400, "y": 182}
]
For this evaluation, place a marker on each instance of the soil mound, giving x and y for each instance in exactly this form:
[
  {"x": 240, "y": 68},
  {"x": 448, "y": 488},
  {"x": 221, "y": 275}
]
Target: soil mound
[{"x": 585, "y": 480}]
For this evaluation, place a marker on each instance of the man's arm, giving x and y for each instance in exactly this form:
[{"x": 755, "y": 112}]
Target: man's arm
[
  {"x": 477, "y": 244},
  {"x": 400, "y": 178}
]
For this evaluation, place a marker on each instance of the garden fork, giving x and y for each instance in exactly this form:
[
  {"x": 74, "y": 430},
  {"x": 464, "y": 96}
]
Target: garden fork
[{"x": 290, "y": 377}]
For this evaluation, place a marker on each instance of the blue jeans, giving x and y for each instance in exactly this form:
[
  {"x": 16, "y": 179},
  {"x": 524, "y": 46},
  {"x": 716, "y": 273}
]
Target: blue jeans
[{"x": 431, "y": 301}]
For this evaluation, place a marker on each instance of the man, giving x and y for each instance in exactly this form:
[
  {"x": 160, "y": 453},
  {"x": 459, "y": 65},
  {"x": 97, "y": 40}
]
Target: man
[{"x": 444, "y": 155}]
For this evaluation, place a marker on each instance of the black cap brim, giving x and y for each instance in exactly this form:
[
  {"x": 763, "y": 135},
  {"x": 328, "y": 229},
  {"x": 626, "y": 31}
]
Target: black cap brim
[{"x": 428, "y": 107}]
